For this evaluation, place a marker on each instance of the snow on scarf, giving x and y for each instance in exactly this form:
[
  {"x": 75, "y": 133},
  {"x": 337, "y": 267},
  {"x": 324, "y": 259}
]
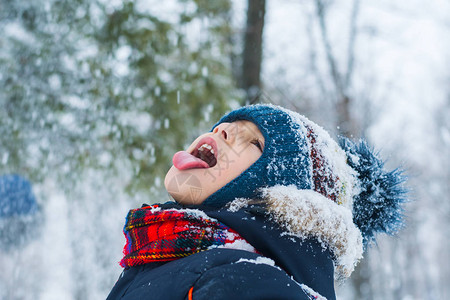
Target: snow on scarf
[{"x": 154, "y": 235}]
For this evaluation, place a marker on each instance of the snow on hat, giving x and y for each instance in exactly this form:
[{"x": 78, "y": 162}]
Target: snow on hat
[{"x": 298, "y": 152}]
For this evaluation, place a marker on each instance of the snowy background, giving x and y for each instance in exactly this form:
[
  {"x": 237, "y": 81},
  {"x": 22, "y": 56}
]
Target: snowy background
[
  {"x": 403, "y": 81},
  {"x": 400, "y": 86}
]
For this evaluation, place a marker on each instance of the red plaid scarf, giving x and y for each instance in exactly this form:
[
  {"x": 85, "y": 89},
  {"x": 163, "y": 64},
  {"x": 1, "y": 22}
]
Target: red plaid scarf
[{"x": 154, "y": 234}]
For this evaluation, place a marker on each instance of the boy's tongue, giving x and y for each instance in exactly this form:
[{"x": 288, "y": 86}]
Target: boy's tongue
[{"x": 182, "y": 160}]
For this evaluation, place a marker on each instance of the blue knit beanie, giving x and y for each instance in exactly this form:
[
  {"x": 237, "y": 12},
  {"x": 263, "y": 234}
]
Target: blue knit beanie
[
  {"x": 301, "y": 153},
  {"x": 20, "y": 214},
  {"x": 16, "y": 197}
]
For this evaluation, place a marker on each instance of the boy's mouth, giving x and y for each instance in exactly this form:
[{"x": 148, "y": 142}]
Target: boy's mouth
[{"x": 204, "y": 155}]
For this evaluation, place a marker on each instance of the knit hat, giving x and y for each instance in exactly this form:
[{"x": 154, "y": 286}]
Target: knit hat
[
  {"x": 16, "y": 197},
  {"x": 298, "y": 152},
  {"x": 20, "y": 214}
]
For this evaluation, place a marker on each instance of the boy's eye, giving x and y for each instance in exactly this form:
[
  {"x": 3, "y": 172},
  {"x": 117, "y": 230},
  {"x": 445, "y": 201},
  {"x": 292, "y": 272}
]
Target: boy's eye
[{"x": 257, "y": 143}]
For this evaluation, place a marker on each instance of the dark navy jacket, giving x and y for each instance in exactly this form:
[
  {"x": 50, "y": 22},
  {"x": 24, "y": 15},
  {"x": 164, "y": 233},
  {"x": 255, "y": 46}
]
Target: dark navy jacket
[{"x": 237, "y": 274}]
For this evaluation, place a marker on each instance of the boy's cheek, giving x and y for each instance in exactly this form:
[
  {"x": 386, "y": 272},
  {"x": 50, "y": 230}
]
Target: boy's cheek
[{"x": 167, "y": 177}]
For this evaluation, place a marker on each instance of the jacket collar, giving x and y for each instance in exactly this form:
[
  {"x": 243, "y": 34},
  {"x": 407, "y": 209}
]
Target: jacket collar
[{"x": 303, "y": 259}]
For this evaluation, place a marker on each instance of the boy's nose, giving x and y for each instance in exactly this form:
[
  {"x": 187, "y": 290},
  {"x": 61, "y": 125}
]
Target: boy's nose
[{"x": 227, "y": 131}]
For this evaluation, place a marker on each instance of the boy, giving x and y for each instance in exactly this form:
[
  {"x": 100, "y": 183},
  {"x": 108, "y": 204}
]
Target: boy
[{"x": 268, "y": 206}]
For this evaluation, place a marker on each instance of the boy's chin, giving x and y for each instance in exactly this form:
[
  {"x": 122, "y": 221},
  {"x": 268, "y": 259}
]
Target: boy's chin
[
  {"x": 185, "y": 186},
  {"x": 186, "y": 199}
]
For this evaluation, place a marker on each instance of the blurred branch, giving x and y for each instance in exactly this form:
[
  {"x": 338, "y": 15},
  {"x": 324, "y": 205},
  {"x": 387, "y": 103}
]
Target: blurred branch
[
  {"x": 341, "y": 80},
  {"x": 336, "y": 76},
  {"x": 313, "y": 56},
  {"x": 351, "y": 43}
]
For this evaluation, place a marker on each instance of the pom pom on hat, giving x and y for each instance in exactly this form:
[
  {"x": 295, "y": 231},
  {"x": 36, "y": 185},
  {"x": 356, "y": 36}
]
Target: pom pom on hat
[{"x": 378, "y": 206}]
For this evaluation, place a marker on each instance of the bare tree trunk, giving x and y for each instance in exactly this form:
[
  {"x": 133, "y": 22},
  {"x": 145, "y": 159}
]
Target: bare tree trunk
[
  {"x": 341, "y": 80},
  {"x": 252, "y": 56},
  {"x": 345, "y": 121},
  {"x": 332, "y": 62},
  {"x": 344, "y": 118}
]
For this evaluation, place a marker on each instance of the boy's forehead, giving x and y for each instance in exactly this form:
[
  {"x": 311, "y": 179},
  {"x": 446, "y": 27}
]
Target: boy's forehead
[{"x": 250, "y": 127}]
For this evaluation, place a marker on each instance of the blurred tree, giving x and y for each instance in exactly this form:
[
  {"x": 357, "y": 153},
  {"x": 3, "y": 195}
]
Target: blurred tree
[
  {"x": 345, "y": 121},
  {"x": 90, "y": 84},
  {"x": 107, "y": 91}
]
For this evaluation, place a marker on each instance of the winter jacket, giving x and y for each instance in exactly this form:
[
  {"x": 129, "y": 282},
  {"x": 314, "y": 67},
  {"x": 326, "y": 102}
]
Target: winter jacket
[{"x": 285, "y": 267}]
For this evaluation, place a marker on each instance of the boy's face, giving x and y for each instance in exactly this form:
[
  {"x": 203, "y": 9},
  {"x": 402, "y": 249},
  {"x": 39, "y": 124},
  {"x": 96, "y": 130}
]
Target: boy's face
[{"x": 212, "y": 160}]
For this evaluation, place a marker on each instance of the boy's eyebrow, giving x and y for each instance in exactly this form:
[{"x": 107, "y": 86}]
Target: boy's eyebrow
[
  {"x": 256, "y": 132},
  {"x": 251, "y": 129}
]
